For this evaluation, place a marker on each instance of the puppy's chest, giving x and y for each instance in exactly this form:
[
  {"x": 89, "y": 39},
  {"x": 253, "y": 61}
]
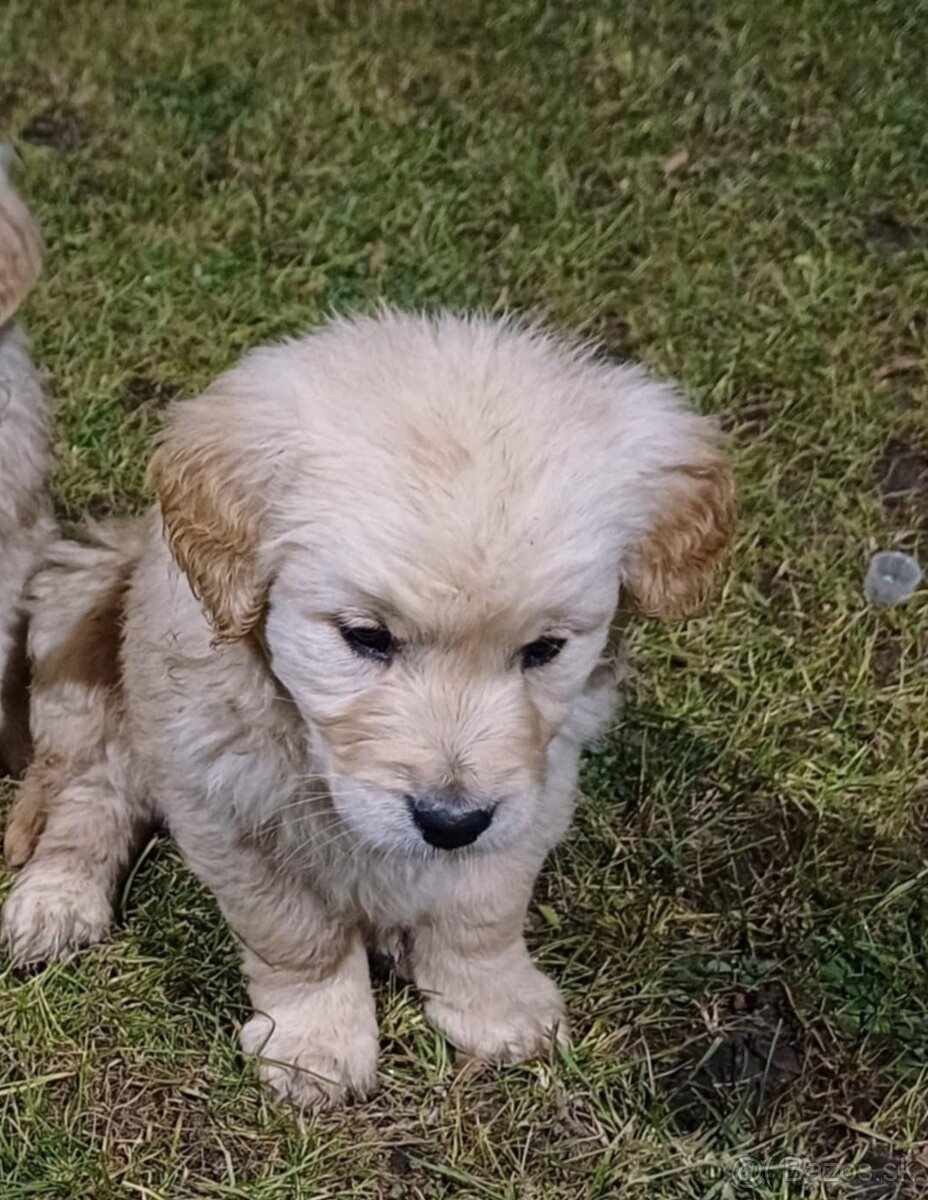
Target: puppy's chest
[{"x": 380, "y": 894}]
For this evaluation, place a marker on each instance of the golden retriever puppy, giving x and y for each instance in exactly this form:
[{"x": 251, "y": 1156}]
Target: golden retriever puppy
[
  {"x": 24, "y": 508},
  {"x": 363, "y": 639}
]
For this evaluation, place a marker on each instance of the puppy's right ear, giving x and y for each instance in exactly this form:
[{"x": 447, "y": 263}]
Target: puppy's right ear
[
  {"x": 211, "y": 505},
  {"x": 676, "y": 563},
  {"x": 20, "y": 247}
]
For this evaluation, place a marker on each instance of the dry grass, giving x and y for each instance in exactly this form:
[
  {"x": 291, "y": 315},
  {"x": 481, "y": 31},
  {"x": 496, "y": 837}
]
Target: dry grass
[{"x": 739, "y": 917}]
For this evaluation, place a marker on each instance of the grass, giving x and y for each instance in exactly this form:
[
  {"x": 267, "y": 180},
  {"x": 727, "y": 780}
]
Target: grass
[{"x": 739, "y": 917}]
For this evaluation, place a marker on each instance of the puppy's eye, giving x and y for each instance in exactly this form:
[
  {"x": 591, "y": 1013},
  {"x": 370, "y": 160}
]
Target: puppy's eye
[
  {"x": 369, "y": 641},
  {"x": 541, "y": 652}
]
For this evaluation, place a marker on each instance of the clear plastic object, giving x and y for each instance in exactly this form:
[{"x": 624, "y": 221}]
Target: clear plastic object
[{"x": 891, "y": 577}]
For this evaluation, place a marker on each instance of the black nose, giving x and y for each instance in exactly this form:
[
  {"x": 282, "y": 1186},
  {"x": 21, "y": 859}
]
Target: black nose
[{"x": 447, "y": 820}]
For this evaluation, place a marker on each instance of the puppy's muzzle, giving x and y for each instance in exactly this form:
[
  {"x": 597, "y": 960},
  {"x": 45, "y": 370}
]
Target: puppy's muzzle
[{"x": 447, "y": 820}]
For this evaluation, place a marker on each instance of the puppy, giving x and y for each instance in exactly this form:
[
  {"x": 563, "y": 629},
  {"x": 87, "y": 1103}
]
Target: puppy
[
  {"x": 25, "y": 521},
  {"x": 363, "y": 639}
]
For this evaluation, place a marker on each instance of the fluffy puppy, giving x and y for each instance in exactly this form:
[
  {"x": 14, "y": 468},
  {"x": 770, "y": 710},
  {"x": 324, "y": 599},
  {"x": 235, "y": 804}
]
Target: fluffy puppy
[
  {"x": 24, "y": 509},
  {"x": 363, "y": 639}
]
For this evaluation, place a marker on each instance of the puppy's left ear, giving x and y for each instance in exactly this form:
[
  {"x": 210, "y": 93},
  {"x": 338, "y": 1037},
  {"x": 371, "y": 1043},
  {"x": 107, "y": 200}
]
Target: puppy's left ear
[
  {"x": 210, "y": 488},
  {"x": 672, "y": 569}
]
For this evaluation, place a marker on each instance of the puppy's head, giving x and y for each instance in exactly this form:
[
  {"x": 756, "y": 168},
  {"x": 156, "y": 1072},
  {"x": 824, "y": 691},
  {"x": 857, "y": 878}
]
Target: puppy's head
[
  {"x": 435, "y": 519},
  {"x": 20, "y": 246}
]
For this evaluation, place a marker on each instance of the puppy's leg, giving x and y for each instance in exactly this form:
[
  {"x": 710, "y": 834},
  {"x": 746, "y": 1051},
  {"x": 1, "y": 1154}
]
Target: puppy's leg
[
  {"x": 78, "y": 819},
  {"x": 314, "y": 1028},
  {"x": 479, "y": 984},
  {"x": 26, "y": 820},
  {"x": 82, "y": 835},
  {"x": 315, "y": 1034}
]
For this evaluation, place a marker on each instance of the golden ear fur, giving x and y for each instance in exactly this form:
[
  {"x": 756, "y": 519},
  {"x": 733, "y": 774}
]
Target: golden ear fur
[
  {"x": 20, "y": 248},
  {"x": 674, "y": 568},
  {"x": 212, "y": 518}
]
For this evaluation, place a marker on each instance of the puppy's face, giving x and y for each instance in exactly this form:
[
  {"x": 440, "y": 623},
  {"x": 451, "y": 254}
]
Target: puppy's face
[
  {"x": 431, "y": 681},
  {"x": 434, "y": 520}
]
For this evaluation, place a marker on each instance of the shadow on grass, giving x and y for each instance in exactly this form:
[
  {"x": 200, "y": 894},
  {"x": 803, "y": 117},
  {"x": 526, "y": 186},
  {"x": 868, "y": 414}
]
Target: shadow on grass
[{"x": 782, "y": 943}]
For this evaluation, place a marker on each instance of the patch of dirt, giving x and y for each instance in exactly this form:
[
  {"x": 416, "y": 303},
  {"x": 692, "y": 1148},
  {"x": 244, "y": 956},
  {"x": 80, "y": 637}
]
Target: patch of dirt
[
  {"x": 102, "y": 505},
  {"x": 751, "y": 1054},
  {"x": 615, "y": 335},
  {"x": 891, "y": 232},
  {"x": 758, "y": 869},
  {"x": 902, "y": 473},
  {"x": 780, "y": 832},
  {"x": 398, "y": 1164},
  {"x": 877, "y": 1174},
  {"x": 749, "y": 419},
  {"x": 141, "y": 392},
  {"x": 10, "y": 95},
  {"x": 55, "y": 128},
  {"x": 902, "y": 377},
  {"x": 167, "y": 1114},
  {"x": 902, "y": 477},
  {"x": 905, "y": 365},
  {"x": 886, "y": 659},
  {"x": 776, "y": 583},
  {"x": 219, "y": 168},
  {"x": 882, "y": 1175}
]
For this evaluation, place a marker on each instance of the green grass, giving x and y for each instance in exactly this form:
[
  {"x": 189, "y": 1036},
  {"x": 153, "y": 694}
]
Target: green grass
[{"x": 739, "y": 917}]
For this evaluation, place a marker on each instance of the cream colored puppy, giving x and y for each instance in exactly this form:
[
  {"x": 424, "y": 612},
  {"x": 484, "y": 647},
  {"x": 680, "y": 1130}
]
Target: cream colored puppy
[
  {"x": 24, "y": 509},
  {"x": 363, "y": 641}
]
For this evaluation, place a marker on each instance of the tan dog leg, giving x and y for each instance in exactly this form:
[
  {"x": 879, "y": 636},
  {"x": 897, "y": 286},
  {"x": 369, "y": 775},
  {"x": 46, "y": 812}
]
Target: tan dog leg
[
  {"x": 479, "y": 984},
  {"x": 27, "y": 819},
  {"x": 78, "y": 820},
  {"x": 63, "y": 898},
  {"x": 315, "y": 1038},
  {"x": 314, "y": 1028}
]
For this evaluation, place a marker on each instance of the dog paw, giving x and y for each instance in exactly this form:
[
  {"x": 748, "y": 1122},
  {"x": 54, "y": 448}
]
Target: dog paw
[
  {"x": 51, "y": 914},
  {"x": 309, "y": 1062},
  {"x": 514, "y": 1020}
]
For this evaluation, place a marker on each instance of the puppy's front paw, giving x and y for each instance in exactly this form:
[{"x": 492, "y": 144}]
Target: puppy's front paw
[
  {"x": 51, "y": 913},
  {"x": 307, "y": 1059},
  {"x": 512, "y": 1019}
]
